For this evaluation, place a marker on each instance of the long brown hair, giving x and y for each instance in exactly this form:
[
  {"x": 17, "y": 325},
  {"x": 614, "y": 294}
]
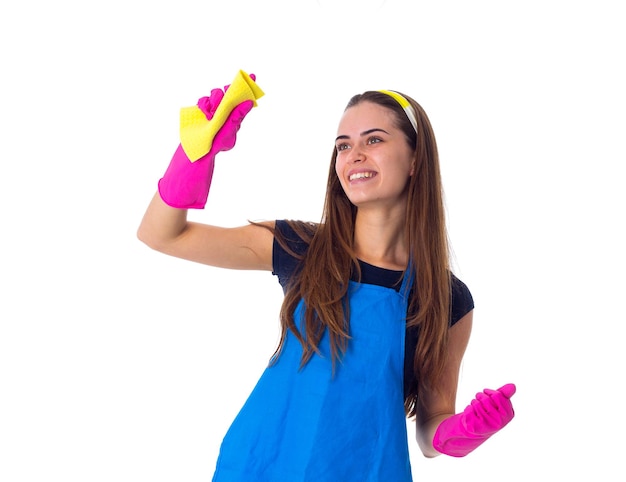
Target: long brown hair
[{"x": 326, "y": 267}]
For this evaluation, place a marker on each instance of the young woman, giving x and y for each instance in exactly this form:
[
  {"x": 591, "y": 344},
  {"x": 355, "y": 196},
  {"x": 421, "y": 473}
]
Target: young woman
[{"x": 374, "y": 323}]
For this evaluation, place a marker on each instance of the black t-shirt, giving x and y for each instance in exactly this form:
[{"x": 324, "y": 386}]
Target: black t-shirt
[{"x": 284, "y": 265}]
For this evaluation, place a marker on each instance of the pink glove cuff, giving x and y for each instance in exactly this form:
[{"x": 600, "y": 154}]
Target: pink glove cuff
[{"x": 191, "y": 190}]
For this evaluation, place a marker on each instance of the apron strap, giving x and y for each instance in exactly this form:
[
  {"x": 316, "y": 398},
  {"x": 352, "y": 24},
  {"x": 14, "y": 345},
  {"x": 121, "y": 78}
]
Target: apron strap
[{"x": 407, "y": 280}]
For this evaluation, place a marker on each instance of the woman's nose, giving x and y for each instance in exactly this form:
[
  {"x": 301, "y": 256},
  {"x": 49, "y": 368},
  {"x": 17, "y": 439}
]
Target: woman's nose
[{"x": 356, "y": 155}]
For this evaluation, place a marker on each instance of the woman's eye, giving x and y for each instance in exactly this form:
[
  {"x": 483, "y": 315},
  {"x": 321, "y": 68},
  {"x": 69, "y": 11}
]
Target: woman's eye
[
  {"x": 342, "y": 147},
  {"x": 374, "y": 140}
]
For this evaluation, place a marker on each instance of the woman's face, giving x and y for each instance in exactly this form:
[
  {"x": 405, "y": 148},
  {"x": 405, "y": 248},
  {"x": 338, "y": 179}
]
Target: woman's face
[{"x": 374, "y": 161}]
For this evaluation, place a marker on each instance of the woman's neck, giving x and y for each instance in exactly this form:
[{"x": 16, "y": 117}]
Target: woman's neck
[{"x": 379, "y": 239}]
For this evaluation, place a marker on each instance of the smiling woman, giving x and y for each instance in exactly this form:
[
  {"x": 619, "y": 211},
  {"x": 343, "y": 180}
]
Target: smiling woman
[{"x": 374, "y": 324}]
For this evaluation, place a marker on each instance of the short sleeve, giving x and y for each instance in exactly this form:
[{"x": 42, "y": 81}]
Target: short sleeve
[
  {"x": 284, "y": 263},
  {"x": 461, "y": 300}
]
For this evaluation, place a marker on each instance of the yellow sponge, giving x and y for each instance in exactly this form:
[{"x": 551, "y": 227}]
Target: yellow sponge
[{"x": 197, "y": 132}]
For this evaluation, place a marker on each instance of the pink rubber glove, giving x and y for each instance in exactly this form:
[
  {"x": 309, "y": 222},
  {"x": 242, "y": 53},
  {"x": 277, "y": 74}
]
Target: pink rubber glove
[
  {"x": 186, "y": 184},
  {"x": 490, "y": 411}
]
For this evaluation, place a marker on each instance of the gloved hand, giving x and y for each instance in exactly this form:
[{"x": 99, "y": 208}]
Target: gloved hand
[
  {"x": 186, "y": 184},
  {"x": 490, "y": 411}
]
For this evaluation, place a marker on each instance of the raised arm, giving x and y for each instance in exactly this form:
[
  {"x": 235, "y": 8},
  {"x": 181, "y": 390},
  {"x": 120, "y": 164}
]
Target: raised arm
[{"x": 185, "y": 185}]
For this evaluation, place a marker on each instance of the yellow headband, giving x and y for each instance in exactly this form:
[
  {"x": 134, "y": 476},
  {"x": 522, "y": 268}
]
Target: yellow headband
[{"x": 408, "y": 109}]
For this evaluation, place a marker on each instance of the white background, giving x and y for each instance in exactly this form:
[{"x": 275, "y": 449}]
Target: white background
[{"x": 118, "y": 363}]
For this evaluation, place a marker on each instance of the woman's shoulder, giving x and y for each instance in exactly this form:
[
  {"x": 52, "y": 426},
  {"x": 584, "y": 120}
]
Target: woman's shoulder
[
  {"x": 296, "y": 230},
  {"x": 291, "y": 240},
  {"x": 461, "y": 299}
]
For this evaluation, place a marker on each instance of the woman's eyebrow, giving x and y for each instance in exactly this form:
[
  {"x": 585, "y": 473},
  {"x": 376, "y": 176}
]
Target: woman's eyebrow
[{"x": 364, "y": 133}]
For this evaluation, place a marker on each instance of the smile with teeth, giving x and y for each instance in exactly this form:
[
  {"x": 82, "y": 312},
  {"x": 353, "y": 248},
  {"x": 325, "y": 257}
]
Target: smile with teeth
[{"x": 361, "y": 175}]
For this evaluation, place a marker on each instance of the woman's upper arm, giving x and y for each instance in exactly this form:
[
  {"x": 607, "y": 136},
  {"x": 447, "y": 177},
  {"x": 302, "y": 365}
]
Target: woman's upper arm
[
  {"x": 244, "y": 247},
  {"x": 166, "y": 229},
  {"x": 436, "y": 404}
]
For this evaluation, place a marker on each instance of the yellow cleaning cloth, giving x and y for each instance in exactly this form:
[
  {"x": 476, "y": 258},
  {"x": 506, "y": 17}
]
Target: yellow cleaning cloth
[{"x": 197, "y": 132}]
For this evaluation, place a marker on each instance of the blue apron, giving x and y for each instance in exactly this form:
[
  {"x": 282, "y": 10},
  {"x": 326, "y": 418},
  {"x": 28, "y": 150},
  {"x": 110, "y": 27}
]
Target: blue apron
[{"x": 306, "y": 425}]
